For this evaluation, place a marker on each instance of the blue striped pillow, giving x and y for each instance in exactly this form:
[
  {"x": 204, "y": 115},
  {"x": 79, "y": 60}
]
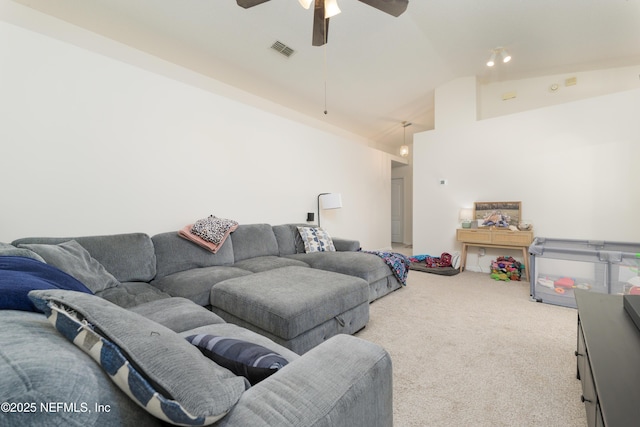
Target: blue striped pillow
[{"x": 243, "y": 358}]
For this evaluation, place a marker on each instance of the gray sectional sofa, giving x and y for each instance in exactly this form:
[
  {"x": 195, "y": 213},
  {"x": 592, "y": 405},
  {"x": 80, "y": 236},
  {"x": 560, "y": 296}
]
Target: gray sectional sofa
[
  {"x": 261, "y": 278},
  {"x": 260, "y": 287}
]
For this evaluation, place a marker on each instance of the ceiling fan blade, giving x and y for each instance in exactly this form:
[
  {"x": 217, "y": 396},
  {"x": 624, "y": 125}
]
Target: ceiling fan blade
[
  {"x": 320, "y": 24},
  {"x": 392, "y": 7},
  {"x": 250, "y": 3}
]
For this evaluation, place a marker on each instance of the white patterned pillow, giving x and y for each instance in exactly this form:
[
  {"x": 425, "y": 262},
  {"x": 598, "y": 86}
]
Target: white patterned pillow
[
  {"x": 157, "y": 368},
  {"x": 316, "y": 240}
]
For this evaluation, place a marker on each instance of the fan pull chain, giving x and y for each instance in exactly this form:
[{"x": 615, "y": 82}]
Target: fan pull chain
[
  {"x": 325, "y": 79},
  {"x": 325, "y": 65}
]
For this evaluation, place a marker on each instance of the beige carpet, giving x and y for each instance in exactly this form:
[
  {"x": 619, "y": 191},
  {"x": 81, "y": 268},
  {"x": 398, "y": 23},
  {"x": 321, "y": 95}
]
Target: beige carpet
[{"x": 471, "y": 351}]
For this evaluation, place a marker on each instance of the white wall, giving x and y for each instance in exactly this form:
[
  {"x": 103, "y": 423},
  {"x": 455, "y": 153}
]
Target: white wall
[
  {"x": 574, "y": 166},
  {"x": 536, "y": 92},
  {"x": 456, "y": 102},
  {"x": 95, "y": 145}
]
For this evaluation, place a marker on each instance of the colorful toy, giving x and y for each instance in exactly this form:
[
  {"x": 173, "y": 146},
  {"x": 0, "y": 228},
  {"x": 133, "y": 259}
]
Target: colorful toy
[
  {"x": 443, "y": 261},
  {"x": 565, "y": 282},
  {"x": 500, "y": 276},
  {"x": 506, "y": 268}
]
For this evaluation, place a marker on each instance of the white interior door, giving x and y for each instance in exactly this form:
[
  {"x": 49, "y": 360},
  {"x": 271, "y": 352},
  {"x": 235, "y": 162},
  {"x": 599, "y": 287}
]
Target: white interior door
[{"x": 397, "y": 210}]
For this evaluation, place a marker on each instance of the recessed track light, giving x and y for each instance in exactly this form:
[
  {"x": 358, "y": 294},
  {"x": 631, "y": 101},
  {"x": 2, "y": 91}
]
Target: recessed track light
[{"x": 502, "y": 53}]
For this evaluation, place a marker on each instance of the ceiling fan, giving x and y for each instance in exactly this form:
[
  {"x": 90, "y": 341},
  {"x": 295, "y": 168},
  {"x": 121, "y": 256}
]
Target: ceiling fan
[{"x": 325, "y": 9}]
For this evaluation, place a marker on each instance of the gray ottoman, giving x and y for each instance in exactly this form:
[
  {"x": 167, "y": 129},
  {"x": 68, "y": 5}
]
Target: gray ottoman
[{"x": 297, "y": 307}]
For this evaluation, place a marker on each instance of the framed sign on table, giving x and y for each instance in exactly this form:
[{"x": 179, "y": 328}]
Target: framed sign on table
[{"x": 497, "y": 214}]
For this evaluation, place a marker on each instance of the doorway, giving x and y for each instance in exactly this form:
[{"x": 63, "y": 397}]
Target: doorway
[{"x": 397, "y": 210}]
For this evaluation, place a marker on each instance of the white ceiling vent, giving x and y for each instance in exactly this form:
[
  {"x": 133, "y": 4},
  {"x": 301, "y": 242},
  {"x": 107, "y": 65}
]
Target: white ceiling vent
[{"x": 282, "y": 48}]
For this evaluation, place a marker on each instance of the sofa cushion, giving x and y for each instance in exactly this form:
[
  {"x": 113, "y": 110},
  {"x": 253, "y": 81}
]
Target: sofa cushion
[
  {"x": 75, "y": 260},
  {"x": 253, "y": 240},
  {"x": 264, "y": 263},
  {"x": 128, "y": 257},
  {"x": 289, "y": 240},
  {"x": 19, "y": 275},
  {"x": 177, "y": 314},
  {"x": 316, "y": 240},
  {"x": 40, "y": 367},
  {"x": 131, "y": 294},
  {"x": 252, "y": 361},
  {"x": 152, "y": 364},
  {"x": 360, "y": 264},
  {"x": 175, "y": 254},
  {"x": 196, "y": 284},
  {"x": 345, "y": 245}
]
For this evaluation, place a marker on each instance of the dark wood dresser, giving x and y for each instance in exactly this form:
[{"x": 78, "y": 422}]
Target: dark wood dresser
[{"x": 608, "y": 359}]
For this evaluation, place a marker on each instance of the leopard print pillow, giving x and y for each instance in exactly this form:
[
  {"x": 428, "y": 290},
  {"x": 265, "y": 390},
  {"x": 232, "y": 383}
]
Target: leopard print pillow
[{"x": 213, "y": 229}]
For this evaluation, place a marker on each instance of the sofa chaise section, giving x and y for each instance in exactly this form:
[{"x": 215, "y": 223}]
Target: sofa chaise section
[
  {"x": 298, "y": 307},
  {"x": 347, "y": 259}
]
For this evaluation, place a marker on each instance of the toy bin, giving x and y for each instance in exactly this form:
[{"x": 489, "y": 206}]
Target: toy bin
[{"x": 558, "y": 267}]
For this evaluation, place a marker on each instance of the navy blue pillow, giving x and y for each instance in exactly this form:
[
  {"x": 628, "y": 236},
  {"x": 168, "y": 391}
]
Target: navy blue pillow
[
  {"x": 19, "y": 275},
  {"x": 243, "y": 358}
]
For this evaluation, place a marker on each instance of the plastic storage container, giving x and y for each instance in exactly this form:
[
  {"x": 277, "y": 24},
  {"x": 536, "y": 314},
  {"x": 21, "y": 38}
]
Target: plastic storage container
[{"x": 558, "y": 267}]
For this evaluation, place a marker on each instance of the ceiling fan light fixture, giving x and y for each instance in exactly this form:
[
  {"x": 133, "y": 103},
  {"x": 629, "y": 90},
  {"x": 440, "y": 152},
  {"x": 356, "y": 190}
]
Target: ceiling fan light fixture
[
  {"x": 325, "y": 9},
  {"x": 331, "y": 8}
]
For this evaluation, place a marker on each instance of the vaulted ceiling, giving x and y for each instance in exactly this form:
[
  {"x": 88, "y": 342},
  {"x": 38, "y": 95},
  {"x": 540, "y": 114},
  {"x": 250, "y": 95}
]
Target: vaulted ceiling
[{"x": 376, "y": 70}]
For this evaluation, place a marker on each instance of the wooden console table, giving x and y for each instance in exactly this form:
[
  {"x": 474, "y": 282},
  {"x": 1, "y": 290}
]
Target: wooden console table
[
  {"x": 494, "y": 238},
  {"x": 607, "y": 360}
]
